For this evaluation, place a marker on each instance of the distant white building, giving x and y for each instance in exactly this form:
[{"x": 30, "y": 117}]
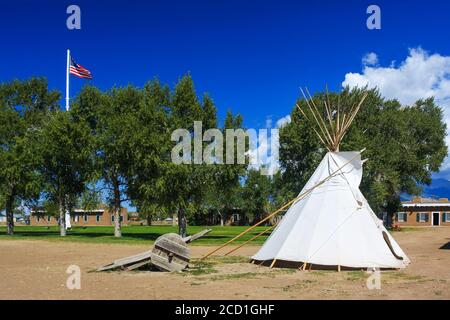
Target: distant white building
[{"x": 17, "y": 218}]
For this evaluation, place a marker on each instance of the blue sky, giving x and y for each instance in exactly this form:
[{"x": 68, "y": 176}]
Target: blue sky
[{"x": 251, "y": 56}]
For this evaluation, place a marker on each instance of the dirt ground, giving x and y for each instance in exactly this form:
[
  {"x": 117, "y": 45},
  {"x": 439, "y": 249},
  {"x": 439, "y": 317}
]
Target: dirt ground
[{"x": 37, "y": 270}]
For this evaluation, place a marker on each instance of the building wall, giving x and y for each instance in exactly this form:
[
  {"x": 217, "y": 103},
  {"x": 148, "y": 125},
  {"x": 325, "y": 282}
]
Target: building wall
[
  {"x": 411, "y": 219},
  {"x": 426, "y": 206},
  {"x": 3, "y": 221},
  {"x": 105, "y": 219}
]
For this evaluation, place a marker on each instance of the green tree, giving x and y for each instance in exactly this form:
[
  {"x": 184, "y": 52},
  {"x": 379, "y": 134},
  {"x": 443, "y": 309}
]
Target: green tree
[
  {"x": 111, "y": 116},
  {"x": 24, "y": 105},
  {"x": 151, "y": 151},
  {"x": 2, "y": 202},
  {"x": 225, "y": 191},
  {"x": 183, "y": 185},
  {"x": 66, "y": 161},
  {"x": 256, "y": 195},
  {"x": 405, "y": 145},
  {"x": 90, "y": 198}
]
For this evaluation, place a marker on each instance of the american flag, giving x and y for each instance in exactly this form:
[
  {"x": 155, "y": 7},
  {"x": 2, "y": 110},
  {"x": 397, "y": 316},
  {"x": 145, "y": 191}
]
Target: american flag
[{"x": 78, "y": 70}]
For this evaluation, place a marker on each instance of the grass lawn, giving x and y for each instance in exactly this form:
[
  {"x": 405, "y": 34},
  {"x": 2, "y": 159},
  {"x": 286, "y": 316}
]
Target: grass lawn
[{"x": 130, "y": 234}]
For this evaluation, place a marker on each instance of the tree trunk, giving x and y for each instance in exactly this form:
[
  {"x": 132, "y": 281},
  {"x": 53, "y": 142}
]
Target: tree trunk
[
  {"x": 117, "y": 224},
  {"x": 174, "y": 220},
  {"x": 149, "y": 219},
  {"x": 117, "y": 210},
  {"x": 62, "y": 218},
  {"x": 182, "y": 223},
  {"x": 221, "y": 218},
  {"x": 391, "y": 208},
  {"x": 389, "y": 218},
  {"x": 9, "y": 215}
]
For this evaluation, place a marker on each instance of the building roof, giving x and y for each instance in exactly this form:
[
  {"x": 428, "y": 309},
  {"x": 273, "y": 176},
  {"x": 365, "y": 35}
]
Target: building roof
[
  {"x": 426, "y": 202},
  {"x": 41, "y": 211}
]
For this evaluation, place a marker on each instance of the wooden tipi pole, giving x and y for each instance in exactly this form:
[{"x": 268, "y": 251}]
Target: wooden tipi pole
[{"x": 250, "y": 240}]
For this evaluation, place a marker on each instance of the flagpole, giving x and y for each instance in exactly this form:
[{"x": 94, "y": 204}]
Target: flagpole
[
  {"x": 67, "y": 80},
  {"x": 67, "y": 224}
]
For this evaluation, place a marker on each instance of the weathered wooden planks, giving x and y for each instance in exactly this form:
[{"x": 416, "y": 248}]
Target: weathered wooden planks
[
  {"x": 138, "y": 265},
  {"x": 166, "y": 263},
  {"x": 170, "y": 253},
  {"x": 178, "y": 248},
  {"x": 122, "y": 263},
  {"x": 197, "y": 235}
]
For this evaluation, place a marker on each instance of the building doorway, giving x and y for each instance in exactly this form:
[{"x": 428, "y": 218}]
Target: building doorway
[{"x": 436, "y": 219}]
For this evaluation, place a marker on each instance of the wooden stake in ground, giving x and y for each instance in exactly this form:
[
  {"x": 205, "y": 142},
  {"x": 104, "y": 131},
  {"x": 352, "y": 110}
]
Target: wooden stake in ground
[{"x": 273, "y": 263}]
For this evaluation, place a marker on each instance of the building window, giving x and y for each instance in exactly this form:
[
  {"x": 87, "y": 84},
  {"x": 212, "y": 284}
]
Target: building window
[
  {"x": 121, "y": 218},
  {"x": 422, "y": 217},
  {"x": 38, "y": 218},
  {"x": 97, "y": 218},
  {"x": 49, "y": 218},
  {"x": 446, "y": 217},
  {"x": 235, "y": 217},
  {"x": 112, "y": 218},
  {"x": 402, "y": 217},
  {"x": 86, "y": 218},
  {"x": 76, "y": 218}
]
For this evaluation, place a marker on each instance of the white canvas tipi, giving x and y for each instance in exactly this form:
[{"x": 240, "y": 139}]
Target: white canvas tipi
[
  {"x": 333, "y": 225},
  {"x": 330, "y": 223}
]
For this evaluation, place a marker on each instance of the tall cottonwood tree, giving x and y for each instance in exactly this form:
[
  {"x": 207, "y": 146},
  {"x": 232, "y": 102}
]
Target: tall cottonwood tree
[
  {"x": 404, "y": 145},
  {"x": 111, "y": 116},
  {"x": 256, "y": 195},
  {"x": 66, "y": 152},
  {"x": 24, "y": 105},
  {"x": 185, "y": 184},
  {"x": 225, "y": 191},
  {"x": 151, "y": 150}
]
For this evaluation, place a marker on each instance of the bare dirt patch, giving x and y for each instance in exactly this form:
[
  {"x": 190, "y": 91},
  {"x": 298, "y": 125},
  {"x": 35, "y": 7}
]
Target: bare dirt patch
[{"x": 37, "y": 270}]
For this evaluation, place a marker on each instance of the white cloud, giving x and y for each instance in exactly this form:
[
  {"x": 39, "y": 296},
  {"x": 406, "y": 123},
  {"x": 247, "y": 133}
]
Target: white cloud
[
  {"x": 265, "y": 152},
  {"x": 284, "y": 121},
  {"x": 370, "y": 59},
  {"x": 420, "y": 75}
]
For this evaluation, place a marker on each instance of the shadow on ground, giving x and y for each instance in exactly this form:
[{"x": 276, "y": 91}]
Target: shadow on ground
[{"x": 446, "y": 246}]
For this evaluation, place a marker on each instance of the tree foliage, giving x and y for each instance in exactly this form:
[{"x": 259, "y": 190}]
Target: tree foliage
[
  {"x": 404, "y": 145},
  {"x": 24, "y": 107},
  {"x": 66, "y": 163},
  {"x": 256, "y": 194},
  {"x": 115, "y": 146}
]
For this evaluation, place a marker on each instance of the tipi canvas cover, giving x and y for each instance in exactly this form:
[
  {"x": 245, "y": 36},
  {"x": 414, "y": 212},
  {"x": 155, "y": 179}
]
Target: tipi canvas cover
[{"x": 333, "y": 225}]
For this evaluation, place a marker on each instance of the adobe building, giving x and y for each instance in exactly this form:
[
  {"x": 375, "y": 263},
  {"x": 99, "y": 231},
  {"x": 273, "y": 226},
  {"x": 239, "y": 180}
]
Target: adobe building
[
  {"x": 424, "y": 212},
  {"x": 79, "y": 217}
]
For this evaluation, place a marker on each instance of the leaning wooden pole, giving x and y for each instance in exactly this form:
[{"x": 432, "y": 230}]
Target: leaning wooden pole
[
  {"x": 298, "y": 198},
  {"x": 250, "y": 240},
  {"x": 252, "y": 227}
]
